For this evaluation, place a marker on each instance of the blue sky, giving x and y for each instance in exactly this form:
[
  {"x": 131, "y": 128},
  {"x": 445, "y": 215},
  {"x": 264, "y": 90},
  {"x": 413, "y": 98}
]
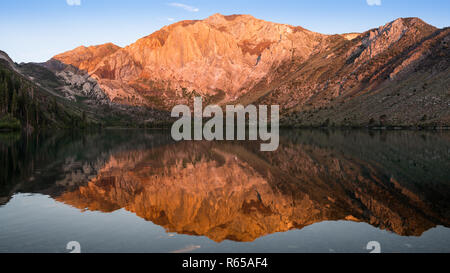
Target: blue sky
[{"x": 36, "y": 30}]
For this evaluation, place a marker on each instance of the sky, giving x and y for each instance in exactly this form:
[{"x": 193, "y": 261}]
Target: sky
[{"x": 36, "y": 30}]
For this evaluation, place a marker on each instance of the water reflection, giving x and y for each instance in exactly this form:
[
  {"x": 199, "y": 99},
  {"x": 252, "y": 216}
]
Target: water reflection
[{"x": 397, "y": 181}]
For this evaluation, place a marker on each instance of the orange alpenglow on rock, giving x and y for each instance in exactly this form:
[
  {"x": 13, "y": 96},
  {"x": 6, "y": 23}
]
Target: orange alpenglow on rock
[
  {"x": 238, "y": 59},
  {"x": 218, "y": 53}
]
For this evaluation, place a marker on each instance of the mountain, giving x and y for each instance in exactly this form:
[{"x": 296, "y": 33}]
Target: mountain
[
  {"x": 59, "y": 95},
  {"x": 395, "y": 75},
  {"x": 27, "y": 104},
  {"x": 221, "y": 57}
]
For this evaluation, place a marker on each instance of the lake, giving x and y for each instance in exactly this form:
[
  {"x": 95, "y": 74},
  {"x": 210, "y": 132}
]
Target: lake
[{"x": 140, "y": 191}]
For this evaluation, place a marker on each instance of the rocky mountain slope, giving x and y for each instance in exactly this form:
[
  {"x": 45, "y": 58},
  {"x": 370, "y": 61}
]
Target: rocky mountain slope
[
  {"x": 26, "y": 104},
  {"x": 397, "y": 74},
  {"x": 65, "y": 97}
]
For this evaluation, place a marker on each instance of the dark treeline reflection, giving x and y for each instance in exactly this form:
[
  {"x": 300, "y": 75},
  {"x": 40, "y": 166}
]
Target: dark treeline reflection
[
  {"x": 398, "y": 181},
  {"x": 34, "y": 163}
]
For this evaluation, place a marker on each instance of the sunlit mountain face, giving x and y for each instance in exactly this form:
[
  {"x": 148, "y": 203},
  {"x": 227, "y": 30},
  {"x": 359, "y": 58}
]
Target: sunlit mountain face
[
  {"x": 396, "y": 181},
  {"x": 395, "y": 75}
]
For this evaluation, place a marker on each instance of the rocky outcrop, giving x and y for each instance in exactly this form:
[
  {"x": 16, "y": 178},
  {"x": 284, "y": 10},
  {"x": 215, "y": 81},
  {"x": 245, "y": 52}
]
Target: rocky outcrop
[{"x": 81, "y": 84}]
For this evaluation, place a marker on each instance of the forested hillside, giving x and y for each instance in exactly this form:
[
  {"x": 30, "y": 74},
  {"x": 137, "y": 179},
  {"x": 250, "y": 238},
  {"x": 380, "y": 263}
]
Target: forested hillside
[{"x": 23, "y": 104}]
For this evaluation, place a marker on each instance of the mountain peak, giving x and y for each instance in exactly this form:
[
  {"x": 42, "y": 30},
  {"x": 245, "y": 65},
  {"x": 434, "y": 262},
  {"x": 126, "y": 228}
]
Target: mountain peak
[
  {"x": 218, "y": 18},
  {"x": 5, "y": 56},
  {"x": 87, "y": 58},
  {"x": 230, "y": 17},
  {"x": 410, "y": 22},
  {"x": 216, "y": 15}
]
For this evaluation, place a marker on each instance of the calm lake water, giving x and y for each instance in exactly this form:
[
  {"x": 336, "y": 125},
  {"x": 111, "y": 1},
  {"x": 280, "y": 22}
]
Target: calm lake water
[{"x": 139, "y": 191}]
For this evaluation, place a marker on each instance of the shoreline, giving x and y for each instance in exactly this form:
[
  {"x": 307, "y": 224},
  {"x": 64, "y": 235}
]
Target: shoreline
[{"x": 282, "y": 128}]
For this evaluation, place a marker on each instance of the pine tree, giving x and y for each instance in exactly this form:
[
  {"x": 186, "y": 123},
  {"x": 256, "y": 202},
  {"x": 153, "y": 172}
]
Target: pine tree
[
  {"x": 14, "y": 103},
  {"x": 2, "y": 97},
  {"x": 36, "y": 112},
  {"x": 6, "y": 99},
  {"x": 55, "y": 106},
  {"x": 26, "y": 106}
]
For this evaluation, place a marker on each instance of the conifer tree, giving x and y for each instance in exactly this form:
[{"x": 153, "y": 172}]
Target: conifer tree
[
  {"x": 6, "y": 99},
  {"x": 2, "y": 97},
  {"x": 14, "y": 103},
  {"x": 36, "y": 112}
]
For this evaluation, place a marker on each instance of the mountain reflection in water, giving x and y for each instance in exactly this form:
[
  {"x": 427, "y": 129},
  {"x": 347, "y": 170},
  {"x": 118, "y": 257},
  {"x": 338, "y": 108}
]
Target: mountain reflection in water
[{"x": 396, "y": 181}]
